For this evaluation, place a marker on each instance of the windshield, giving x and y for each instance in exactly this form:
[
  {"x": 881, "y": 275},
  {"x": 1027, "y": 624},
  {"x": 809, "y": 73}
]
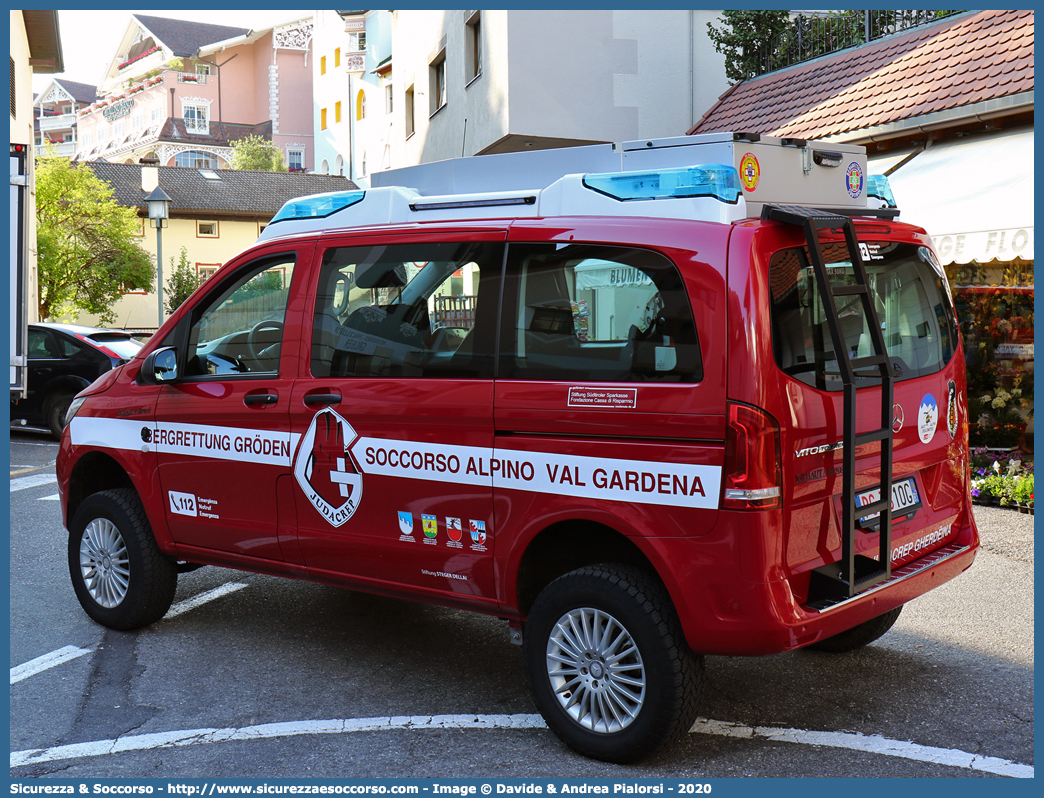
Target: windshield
[{"x": 910, "y": 296}]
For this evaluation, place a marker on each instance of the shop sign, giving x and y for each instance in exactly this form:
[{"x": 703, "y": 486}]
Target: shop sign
[
  {"x": 985, "y": 246},
  {"x": 122, "y": 108},
  {"x": 1013, "y": 352}
]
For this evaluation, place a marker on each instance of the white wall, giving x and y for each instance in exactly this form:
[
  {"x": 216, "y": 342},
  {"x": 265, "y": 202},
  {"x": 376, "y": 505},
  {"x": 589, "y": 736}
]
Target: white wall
[{"x": 590, "y": 75}]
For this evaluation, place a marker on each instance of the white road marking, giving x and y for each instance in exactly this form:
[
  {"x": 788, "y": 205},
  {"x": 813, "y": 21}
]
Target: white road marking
[
  {"x": 870, "y": 743},
  {"x": 35, "y": 666},
  {"x": 52, "y": 498},
  {"x": 175, "y": 739},
  {"x": 203, "y": 598},
  {"x": 62, "y": 655},
  {"x": 34, "y": 481}
]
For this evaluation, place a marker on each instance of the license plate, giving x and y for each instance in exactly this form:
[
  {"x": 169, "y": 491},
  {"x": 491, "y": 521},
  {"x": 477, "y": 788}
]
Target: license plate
[{"x": 904, "y": 497}]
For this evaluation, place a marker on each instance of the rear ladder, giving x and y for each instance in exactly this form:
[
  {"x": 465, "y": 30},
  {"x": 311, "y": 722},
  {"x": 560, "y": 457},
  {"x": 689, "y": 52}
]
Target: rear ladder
[{"x": 853, "y": 573}]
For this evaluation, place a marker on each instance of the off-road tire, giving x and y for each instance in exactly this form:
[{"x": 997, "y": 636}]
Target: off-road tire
[
  {"x": 54, "y": 414},
  {"x": 673, "y": 676},
  {"x": 142, "y": 579},
  {"x": 858, "y": 636}
]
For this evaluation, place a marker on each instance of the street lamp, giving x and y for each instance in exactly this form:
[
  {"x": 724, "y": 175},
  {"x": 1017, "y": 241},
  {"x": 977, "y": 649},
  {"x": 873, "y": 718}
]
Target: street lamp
[{"x": 159, "y": 211}]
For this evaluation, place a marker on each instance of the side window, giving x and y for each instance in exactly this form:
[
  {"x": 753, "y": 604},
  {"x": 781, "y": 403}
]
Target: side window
[
  {"x": 407, "y": 310},
  {"x": 71, "y": 348},
  {"x": 241, "y": 330},
  {"x": 41, "y": 345},
  {"x": 588, "y": 313}
]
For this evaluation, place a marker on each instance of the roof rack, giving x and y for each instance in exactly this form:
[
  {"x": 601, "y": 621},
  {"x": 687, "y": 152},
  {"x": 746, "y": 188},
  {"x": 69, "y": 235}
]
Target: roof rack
[
  {"x": 720, "y": 177},
  {"x": 704, "y": 192}
]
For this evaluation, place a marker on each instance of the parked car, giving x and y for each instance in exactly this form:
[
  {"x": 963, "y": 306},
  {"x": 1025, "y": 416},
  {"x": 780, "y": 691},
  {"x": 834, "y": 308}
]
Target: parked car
[{"x": 63, "y": 360}]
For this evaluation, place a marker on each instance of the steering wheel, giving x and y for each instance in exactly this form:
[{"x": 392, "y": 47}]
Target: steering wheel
[{"x": 252, "y": 337}]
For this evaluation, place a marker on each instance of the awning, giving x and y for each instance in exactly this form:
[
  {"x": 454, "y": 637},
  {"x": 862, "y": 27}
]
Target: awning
[{"x": 974, "y": 196}]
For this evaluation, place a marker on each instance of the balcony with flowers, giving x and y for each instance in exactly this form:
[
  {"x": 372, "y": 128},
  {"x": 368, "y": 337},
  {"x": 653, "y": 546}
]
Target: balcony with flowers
[{"x": 125, "y": 120}]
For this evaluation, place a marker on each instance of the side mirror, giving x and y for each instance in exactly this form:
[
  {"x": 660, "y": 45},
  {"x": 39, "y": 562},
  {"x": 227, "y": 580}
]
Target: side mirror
[{"x": 160, "y": 366}]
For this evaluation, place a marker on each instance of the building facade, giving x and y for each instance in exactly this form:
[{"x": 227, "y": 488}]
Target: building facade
[
  {"x": 35, "y": 46},
  {"x": 56, "y": 111},
  {"x": 351, "y": 73},
  {"x": 183, "y": 92},
  {"x": 214, "y": 215},
  {"x": 475, "y": 82}
]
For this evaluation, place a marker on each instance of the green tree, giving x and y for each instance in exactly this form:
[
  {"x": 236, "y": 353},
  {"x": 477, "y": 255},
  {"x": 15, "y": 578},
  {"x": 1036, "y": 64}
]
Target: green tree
[
  {"x": 182, "y": 282},
  {"x": 257, "y": 154},
  {"x": 745, "y": 39},
  {"x": 86, "y": 254}
]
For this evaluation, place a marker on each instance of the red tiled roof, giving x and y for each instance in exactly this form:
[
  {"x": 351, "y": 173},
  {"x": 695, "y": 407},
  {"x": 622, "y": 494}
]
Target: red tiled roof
[{"x": 961, "y": 61}]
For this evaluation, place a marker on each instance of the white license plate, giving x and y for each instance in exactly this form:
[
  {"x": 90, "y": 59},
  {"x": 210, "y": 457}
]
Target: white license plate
[{"x": 904, "y": 496}]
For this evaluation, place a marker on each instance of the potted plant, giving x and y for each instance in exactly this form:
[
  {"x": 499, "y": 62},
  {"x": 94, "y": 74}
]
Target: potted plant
[{"x": 1023, "y": 493}]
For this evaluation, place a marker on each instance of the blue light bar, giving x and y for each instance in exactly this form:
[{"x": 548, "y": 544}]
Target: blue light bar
[
  {"x": 877, "y": 186},
  {"x": 706, "y": 180},
  {"x": 318, "y": 207}
]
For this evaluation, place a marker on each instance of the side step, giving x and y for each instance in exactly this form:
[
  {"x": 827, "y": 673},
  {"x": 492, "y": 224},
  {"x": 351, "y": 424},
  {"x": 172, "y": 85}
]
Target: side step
[{"x": 853, "y": 573}]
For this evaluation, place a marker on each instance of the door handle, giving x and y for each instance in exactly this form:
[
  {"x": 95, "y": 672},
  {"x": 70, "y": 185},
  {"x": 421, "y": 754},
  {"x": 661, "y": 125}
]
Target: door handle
[
  {"x": 260, "y": 399},
  {"x": 322, "y": 399}
]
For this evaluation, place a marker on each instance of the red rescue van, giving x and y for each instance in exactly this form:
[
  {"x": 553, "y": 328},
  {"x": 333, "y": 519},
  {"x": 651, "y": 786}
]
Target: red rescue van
[{"x": 643, "y": 414}]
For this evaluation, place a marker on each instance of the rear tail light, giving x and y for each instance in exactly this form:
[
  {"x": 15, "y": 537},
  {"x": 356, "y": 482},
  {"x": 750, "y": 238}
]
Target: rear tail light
[{"x": 753, "y": 477}]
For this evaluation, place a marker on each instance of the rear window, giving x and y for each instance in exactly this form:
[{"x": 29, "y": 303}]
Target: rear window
[
  {"x": 123, "y": 345},
  {"x": 910, "y": 295}
]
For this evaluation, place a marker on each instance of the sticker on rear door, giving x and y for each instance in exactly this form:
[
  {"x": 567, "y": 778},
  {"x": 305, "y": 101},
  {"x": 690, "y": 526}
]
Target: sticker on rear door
[
  {"x": 951, "y": 409},
  {"x": 927, "y": 418},
  {"x": 325, "y": 469}
]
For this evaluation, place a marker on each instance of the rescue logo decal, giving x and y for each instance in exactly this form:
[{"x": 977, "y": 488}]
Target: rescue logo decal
[
  {"x": 951, "y": 409},
  {"x": 749, "y": 171},
  {"x": 325, "y": 470},
  {"x": 854, "y": 180},
  {"x": 927, "y": 418}
]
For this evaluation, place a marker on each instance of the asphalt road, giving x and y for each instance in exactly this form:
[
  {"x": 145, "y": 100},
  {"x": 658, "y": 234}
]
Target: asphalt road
[{"x": 952, "y": 683}]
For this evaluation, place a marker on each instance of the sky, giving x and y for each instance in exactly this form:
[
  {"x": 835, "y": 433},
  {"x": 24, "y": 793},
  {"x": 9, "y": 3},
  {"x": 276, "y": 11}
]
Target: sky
[{"x": 90, "y": 38}]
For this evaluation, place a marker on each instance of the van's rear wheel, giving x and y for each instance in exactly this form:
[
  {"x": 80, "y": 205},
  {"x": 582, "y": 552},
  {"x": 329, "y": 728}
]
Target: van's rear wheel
[
  {"x": 608, "y": 665},
  {"x": 858, "y": 636},
  {"x": 120, "y": 576}
]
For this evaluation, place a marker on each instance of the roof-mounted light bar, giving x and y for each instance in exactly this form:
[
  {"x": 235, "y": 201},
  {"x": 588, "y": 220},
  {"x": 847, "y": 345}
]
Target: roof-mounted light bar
[
  {"x": 878, "y": 188},
  {"x": 319, "y": 206},
  {"x": 706, "y": 180}
]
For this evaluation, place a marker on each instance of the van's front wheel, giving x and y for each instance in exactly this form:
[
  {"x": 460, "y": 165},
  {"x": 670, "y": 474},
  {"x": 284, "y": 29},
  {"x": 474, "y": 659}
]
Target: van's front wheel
[
  {"x": 608, "y": 665},
  {"x": 120, "y": 576}
]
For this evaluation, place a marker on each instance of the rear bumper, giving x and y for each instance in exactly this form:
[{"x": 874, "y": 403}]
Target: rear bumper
[{"x": 737, "y": 617}]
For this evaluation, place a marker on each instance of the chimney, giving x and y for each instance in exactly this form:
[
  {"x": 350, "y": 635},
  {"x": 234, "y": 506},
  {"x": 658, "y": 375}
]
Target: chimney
[{"x": 149, "y": 178}]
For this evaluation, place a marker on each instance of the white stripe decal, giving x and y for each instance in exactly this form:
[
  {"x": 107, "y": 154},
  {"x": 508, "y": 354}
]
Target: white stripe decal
[
  {"x": 610, "y": 479},
  {"x": 35, "y": 666},
  {"x": 174, "y": 739},
  {"x": 35, "y": 481},
  {"x": 607, "y": 479},
  {"x": 195, "y": 440}
]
